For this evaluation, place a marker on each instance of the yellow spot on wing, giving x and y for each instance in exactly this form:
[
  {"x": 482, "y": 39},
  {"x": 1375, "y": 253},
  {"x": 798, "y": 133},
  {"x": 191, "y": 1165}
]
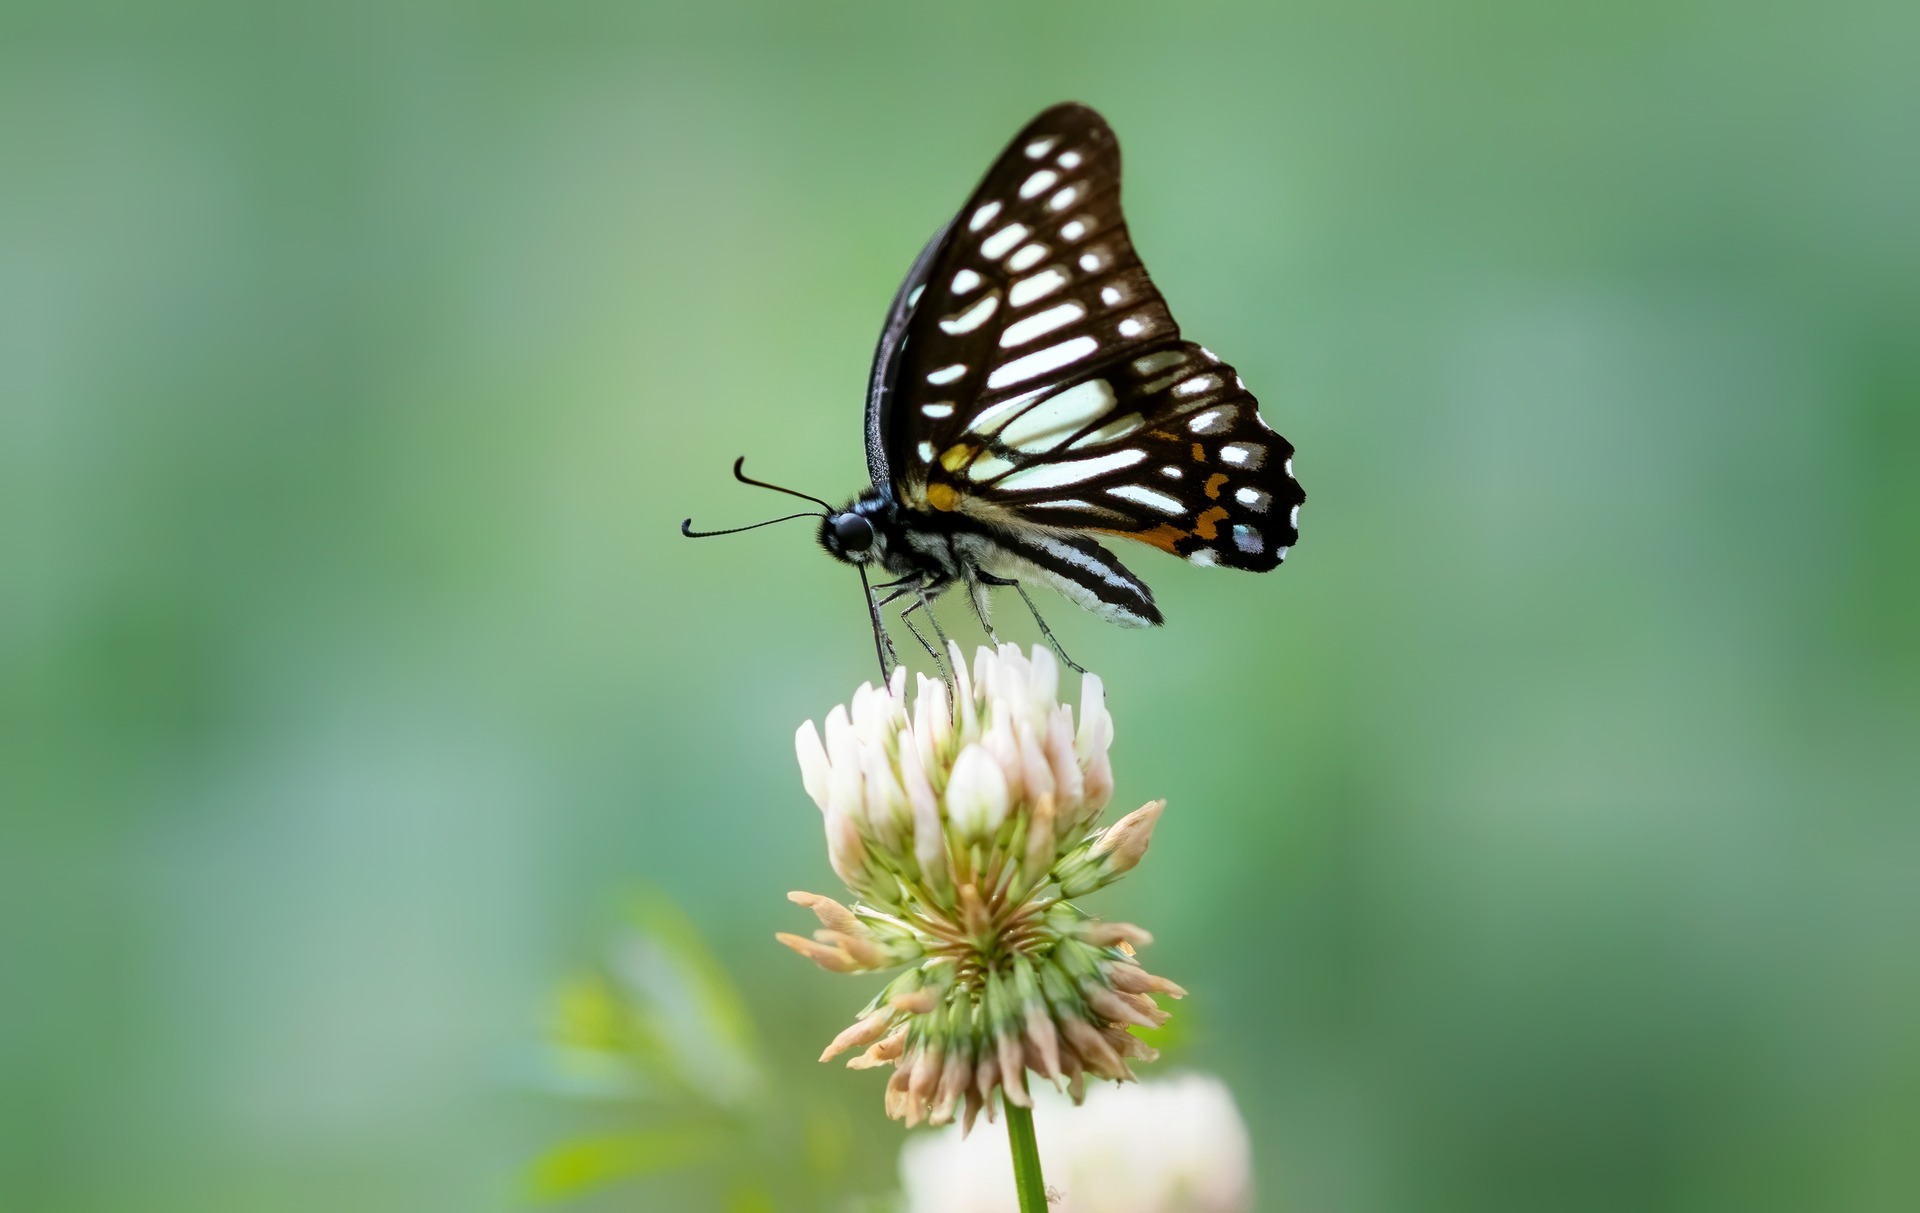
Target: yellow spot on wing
[
  {"x": 943, "y": 497},
  {"x": 957, "y": 456},
  {"x": 1199, "y": 453}
]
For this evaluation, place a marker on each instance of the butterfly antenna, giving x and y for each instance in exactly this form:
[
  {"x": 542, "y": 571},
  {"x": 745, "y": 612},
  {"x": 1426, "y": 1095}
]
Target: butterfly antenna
[
  {"x": 743, "y": 478},
  {"x": 686, "y": 526}
]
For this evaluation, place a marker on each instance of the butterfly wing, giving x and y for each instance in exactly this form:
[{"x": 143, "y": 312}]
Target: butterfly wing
[
  {"x": 886, "y": 358},
  {"x": 1039, "y": 381}
]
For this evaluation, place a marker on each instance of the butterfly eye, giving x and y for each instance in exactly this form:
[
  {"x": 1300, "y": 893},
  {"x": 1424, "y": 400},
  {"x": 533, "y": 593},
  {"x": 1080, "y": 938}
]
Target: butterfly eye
[{"x": 854, "y": 532}]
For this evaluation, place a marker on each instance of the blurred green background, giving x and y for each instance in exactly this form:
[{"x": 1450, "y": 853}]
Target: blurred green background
[{"x": 1543, "y": 836}]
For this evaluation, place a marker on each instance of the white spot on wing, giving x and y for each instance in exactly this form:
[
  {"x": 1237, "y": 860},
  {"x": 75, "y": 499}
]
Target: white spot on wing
[
  {"x": 1108, "y": 432},
  {"x": 946, "y": 374},
  {"x": 1171, "y": 472},
  {"x": 1064, "y": 199},
  {"x": 1074, "y": 230},
  {"x": 937, "y": 411},
  {"x": 1293, "y": 517},
  {"x": 1149, "y": 363},
  {"x": 1196, "y": 385},
  {"x": 1029, "y": 256},
  {"x": 1211, "y": 422},
  {"x": 1040, "y": 181},
  {"x": 1253, "y": 499},
  {"x": 1069, "y": 159},
  {"x": 1041, "y": 361},
  {"x": 990, "y": 419},
  {"x": 1001, "y": 242},
  {"x": 1053, "y": 475},
  {"x": 1244, "y": 454},
  {"x": 1047, "y": 424},
  {"x": 964, "y": 281},
  {"x": 1040, "y": 324},
  {"x": 913, "y": 296},
  {"x": 926, "y": 452},
  {"x": 1042, "y": 284},
  {"x": 1090, "y": 262},
  {"x": 983, "y": 216},
  {"x": 973, "y": 317},
  {"x": 1132, "y": 326},
  {"x": 1154, "y": 499},
  {"x": 1040, "y": 147},
  {"x": 1109, "y": 295},
  {"x": 1206, "y": 557},
  {"x": 988, "y": 467}
]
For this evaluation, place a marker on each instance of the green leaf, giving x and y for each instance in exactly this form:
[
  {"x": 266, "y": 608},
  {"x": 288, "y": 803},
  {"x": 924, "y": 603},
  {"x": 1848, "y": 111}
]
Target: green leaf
[
  {"x": 686, "y": 1001},
  {"x": 750, "y": 1196},
  {"x": 585, "y": 1164}
]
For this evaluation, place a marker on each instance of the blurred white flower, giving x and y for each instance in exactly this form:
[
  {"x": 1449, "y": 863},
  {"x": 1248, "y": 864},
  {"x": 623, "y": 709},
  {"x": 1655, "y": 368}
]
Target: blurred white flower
[
  {"x": 1170, "y": 1146},
  {"x": 963, "y": 827}
]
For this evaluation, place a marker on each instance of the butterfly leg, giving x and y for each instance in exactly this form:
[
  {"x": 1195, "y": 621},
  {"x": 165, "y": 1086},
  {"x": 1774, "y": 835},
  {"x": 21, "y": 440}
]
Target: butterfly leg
[
  {"x": 928, "y": 592},
  {"x": 882, "y": 643},
  {"x": 917, "y": 585},
  {"x": 986, "y": 578},
  {"x": 982, "y": 607},
  {"x": 939, "y": 662}
]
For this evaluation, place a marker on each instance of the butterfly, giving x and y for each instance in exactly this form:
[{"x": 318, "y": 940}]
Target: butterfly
[{"x": 1031, "y": 396}]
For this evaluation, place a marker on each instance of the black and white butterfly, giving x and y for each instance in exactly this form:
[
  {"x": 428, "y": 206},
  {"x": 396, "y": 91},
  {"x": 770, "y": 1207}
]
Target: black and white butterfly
[{"x": 1031, "y": 394}]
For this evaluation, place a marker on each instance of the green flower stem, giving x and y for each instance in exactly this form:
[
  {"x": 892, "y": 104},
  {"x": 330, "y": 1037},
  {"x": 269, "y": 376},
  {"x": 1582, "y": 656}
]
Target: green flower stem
[{"x": 1026, "y": 1159}]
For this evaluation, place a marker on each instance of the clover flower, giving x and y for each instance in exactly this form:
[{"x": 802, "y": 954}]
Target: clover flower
[
  {"x": 964, "y": 827},
  {"x": 1172, "y": 1145}
]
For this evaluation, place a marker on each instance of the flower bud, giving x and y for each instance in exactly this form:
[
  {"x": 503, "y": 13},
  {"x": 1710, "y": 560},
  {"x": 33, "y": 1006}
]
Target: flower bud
[
  {"x": 1096, "y": 727},
  {"x": 814, "y": 769},
  {"x": 1069, "y": 783},
  {"x": 976, "y": 794},
  {"x": 1124, "y": 842},
  {"x": 887, "y": 815},
  {"x": 929, "y": 837},
  {"x": 1000, "y": 742}
]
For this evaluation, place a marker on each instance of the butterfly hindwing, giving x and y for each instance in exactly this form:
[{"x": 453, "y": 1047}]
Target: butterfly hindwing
[{"x": 1167, "y": 448}]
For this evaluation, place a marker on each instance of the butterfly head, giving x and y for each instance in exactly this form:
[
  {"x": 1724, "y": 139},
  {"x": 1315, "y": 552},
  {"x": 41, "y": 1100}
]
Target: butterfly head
[{"x": 857, "y": 534}]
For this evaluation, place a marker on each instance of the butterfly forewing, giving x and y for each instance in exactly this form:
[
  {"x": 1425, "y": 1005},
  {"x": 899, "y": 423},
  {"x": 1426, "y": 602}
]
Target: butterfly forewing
[
  {"x": 882, "y": 385},
  {"x": 1042, "y": 383},
  {"x": 1036, "y": 286}
]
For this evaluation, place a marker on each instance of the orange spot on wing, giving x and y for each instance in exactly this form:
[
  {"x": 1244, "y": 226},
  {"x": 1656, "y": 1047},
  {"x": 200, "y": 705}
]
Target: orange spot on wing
[
  {"x": 1207, "y": 525},
  {"x": 1166, "y": 536},
  {"x": 1213, "y": 486},
  {"x": 943, "y": 497},
  {"x": 1199, "y": 453},
  {"x": 1163, "y": 435}
]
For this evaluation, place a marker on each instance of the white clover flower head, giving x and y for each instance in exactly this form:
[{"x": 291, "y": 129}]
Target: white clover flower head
[
  {"x": 1173, "y": 1145},
  {"x": 963, "y": 828}
]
